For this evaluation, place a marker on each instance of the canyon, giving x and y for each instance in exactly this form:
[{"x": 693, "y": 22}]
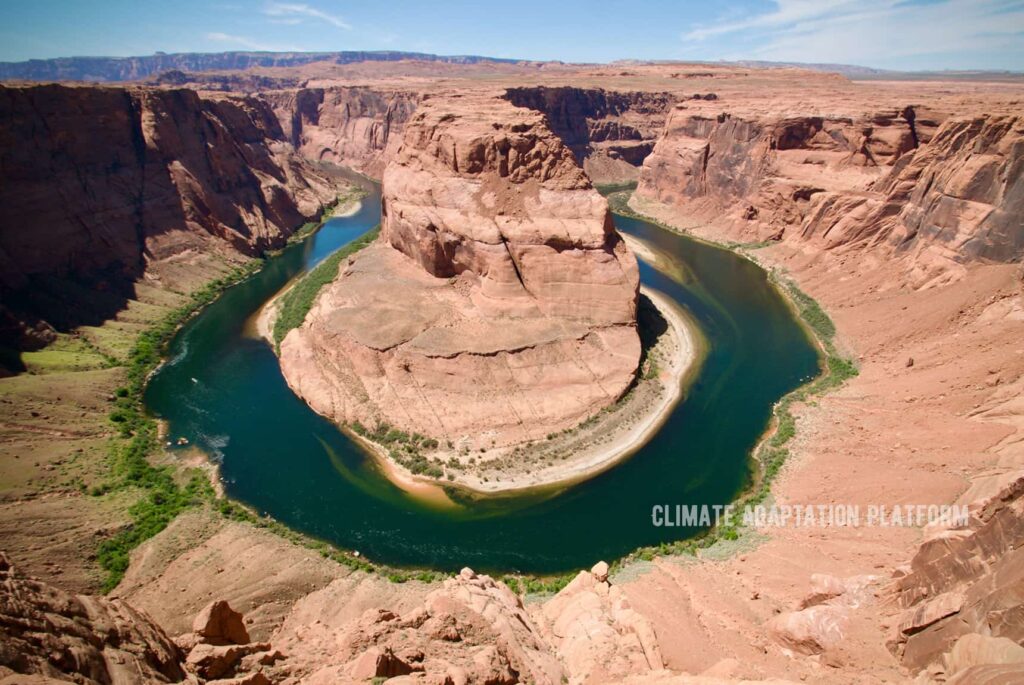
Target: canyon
[
  {"x": 896, "y": 206},
  {"x": 134, "y": 182}
]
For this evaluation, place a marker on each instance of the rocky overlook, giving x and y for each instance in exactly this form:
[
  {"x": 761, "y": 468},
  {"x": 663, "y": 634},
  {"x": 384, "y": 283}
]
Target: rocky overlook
[{"x": 498, "y": 290}]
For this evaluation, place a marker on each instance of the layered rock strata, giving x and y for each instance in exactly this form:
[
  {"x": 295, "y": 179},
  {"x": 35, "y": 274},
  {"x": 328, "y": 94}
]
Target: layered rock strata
[
  {"x": 359, "y": 127},
  {"x": 965, "y": 580},
  {"x": 499, "y": 304},
  {"x": 944, "y": 190},
  {"x": 101, "y": 183},
  {"x": 609, "y": 132},
  {"x": 61, "y": 637}
]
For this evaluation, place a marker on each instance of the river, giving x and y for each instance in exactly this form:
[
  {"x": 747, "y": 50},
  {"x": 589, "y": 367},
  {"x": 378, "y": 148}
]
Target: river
[{"x": 222, "y": 389}]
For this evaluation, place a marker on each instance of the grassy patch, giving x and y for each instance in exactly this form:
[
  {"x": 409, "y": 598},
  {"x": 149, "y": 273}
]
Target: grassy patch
[
  {"x": 607, "y": 189},
  {"x": 67, "y": 353},
  {"x": 533, "y": 585},
  {"x": 296, "y": 303},
  {"x": 163, "y": 497},
  {"x": 618, "y": 202}
]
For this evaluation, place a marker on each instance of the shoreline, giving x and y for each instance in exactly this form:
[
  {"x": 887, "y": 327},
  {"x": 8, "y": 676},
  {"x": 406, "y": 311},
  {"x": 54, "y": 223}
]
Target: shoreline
[
  {"x": 761, "y": 484},
  {"x": 591, "y": 460},
  {"x": 261, "y": 323}
]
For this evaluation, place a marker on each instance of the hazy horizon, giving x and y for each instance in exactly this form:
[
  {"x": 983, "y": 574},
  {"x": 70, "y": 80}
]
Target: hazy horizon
[{"x": 900, "y": 35}]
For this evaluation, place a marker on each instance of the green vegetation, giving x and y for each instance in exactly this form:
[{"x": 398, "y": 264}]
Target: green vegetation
[
  {"x": 293, "y": 306},
  {"x": 164, "y": 497},
  {"x": 309, "y": 228},
  {"x": 67, "y": 353},
  {"x": 167, "y": 492},
  {"x": 618, "y": 202},
  {"x": 236, "y": 512},
  {"x": 404, "y": 448},
  {"x": 533, "y": 585},
  {"x": 608, "y": 189}
]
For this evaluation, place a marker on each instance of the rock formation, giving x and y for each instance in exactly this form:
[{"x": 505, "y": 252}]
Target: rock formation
[
  {"x": 964, "y": 581},
  {"x": 219, "y": 649},
  {"x": 609, "y": 132},
  {"x": 50, "y": 633},
  {"x": 596, "y": 632},
  {"x": 122, "y": 178},
  {"x": 942, "y": 189},
  {"x": 499, "y": 290},
  {"x": 871, "y": 191},
  {"x": 50, "y": 636},
  {"x": 473, "y": 629},
  {"x": 359, "y": 127}
]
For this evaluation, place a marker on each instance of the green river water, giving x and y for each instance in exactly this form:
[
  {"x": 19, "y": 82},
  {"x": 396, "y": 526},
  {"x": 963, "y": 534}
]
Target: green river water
[{"x": 223, "y": 390}]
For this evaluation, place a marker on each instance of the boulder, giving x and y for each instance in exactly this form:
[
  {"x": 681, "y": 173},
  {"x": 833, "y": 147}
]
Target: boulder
[
  {"x": 219, "y": 624},
  {"x": 977, "y": 650},
  {"x": 809, "y": 631}
]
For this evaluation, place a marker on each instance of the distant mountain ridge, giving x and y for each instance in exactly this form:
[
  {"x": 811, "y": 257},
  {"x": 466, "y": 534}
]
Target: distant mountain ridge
[
  {"x": 115, "y": 69},
  {"x": 856, "y": 72},
  {"x": 135, "y": 68}
]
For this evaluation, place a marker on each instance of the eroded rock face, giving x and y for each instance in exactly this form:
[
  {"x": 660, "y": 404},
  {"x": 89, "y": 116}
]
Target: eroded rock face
[
  {"x": 49, "y": 633},
  {"x": 499, "y": 304},
  {"x": 609, "y": 132},
  {"x": 100, "y": 183},
  {"x": 941, "y": 190},
  {"x": 963, "y": 581},
  {"x": 765, "y": 166},
  {"x": 596, "y": 632},
  {"x": 356, "y": 126},
  {"x": 472, "y": 629}
]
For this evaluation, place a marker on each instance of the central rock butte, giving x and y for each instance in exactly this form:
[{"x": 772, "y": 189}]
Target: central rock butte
[{"x": 499, "y": 304}]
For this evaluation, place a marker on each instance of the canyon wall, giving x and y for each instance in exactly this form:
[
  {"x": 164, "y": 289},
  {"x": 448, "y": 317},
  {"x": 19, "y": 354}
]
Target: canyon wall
[
  {"x": 357, "y": 127},
  {"x": 101, "y": 183},
  {"x": 609, "y": 132},
  {"x": 965, "y": 581},
  {"x": 944, "y": 189},
  {"x": 499, "y": 289}
]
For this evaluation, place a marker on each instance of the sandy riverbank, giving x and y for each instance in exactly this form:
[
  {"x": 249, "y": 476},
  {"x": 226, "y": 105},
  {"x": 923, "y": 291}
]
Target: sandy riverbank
[
  {"x": 614, "y": 436},
  {"x": 261, "y": 323}
]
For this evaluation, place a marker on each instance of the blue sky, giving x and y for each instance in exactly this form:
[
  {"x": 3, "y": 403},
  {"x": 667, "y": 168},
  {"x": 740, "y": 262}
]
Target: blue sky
[{"x": 894, "y": 34}]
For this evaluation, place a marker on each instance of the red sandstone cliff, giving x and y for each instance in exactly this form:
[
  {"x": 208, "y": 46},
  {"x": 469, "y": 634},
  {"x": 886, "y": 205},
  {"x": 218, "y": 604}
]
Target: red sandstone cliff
[
  {"x": 358, "y": 127},
  {"x": 609, "y": 132},
  {"x": 946, "y": 190},
  {"x": 499, "y": 290},
  {"x": 100, "y": 183}
]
